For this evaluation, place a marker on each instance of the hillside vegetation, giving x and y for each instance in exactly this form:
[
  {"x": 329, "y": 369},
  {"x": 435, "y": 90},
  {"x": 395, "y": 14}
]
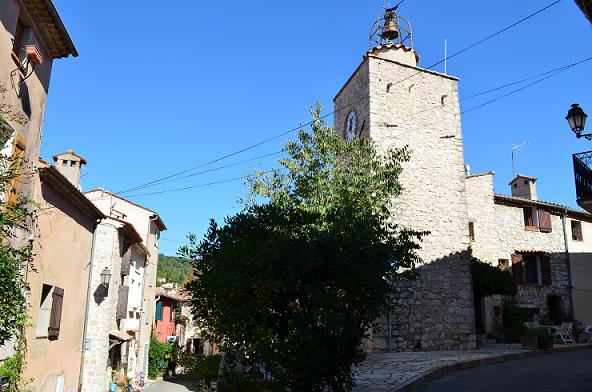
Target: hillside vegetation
[{"x": 173, "y": 269}]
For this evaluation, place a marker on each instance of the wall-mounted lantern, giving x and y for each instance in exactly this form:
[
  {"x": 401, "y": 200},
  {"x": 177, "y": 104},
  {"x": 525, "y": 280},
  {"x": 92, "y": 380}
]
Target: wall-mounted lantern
[
  {"x": 105, "y": 277},
  {"x": 577, "y": 121}
]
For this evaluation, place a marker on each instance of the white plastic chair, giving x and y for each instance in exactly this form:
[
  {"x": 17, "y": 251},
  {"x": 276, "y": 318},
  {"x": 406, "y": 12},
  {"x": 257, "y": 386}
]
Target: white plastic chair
[
  {"x": 588, "y": 330},
  {"x": 564, "y": 333}
]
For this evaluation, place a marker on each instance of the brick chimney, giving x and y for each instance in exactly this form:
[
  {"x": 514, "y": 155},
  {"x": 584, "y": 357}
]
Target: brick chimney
[
  {"x": 69, "y": 164},
  {"x": 524, "y": 187}
]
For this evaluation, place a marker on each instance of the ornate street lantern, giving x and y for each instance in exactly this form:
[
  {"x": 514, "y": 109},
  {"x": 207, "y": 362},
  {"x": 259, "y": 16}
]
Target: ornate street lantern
[
  {"x": 577, "y": 121},
  {"x": 105, "y": 276}
]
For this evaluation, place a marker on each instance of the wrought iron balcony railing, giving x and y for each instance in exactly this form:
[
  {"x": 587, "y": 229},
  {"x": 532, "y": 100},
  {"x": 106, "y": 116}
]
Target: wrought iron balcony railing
[{"x": 583, "y": 176}]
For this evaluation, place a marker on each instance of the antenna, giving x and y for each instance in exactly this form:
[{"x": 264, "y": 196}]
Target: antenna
[
  {"x": 515, "y": 148},
  {"x": 445, "y": 56}
]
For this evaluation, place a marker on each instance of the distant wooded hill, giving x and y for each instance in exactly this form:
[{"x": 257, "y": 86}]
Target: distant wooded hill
[{"x": 173, "y": 269}]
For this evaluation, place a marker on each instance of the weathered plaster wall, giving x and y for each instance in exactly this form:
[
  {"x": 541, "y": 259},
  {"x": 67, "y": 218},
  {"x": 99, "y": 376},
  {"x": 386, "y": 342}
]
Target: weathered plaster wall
[
  {"x": 63, "y": 253},
  {"x": 581, "y": 271},
  {"x": 436, "y": 310}
]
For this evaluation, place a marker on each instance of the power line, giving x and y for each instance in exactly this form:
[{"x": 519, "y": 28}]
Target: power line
[
  {"x": 560, "y": 70},
  {"x": 489, "y": 37},
  {"x": 205, "y": 171}
]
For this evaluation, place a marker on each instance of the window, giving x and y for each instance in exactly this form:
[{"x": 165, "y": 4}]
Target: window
[
  {"x": 472, "y": 231},
  {"x": 158, "y": 313},
  {"x": 72, "y": 163},
  {"x": 544, "y": 223},
  {"x": 503, "y": 264},
  {"x": 576, "y": 231},
  {"x": 17, "y": 45},
  {"x": 529, "y": 219},
  {"x": 50, "y": 312},
  {"x": 64, "y": 163},
  {"x": 532, "y": 269},
  {"x": 18, "y": 154}
]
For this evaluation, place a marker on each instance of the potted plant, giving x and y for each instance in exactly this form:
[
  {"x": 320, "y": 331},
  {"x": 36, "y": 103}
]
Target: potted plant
[{"x": 538, "y": 339}]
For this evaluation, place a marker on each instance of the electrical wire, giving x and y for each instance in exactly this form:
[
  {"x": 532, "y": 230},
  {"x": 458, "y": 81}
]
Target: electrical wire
[{"x": 252, "y": 146}]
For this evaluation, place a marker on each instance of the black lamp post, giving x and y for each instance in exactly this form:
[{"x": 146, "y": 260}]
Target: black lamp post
[
  {"x": 105, "y": 277},
  {"x": 577, "y": 121}
]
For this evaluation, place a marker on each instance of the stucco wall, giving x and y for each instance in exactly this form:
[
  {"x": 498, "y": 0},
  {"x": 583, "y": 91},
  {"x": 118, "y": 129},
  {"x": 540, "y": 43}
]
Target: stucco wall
[
  {"x": 581, "y": 270},
  {"x": 63, "y": 252},
  {"x": 421, "y": 112}
]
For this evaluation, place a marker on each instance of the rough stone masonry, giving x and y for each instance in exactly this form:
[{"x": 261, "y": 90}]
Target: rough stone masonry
[{"x": 398, "y": 104}]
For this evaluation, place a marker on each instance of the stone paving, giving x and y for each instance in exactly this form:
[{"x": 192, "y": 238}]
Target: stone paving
[{"x": 390, "y": 371}]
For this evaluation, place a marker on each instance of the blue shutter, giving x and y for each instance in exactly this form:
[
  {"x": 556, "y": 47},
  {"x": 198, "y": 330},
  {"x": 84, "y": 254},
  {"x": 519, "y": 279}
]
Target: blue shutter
[{"x": 158, "y": 313}]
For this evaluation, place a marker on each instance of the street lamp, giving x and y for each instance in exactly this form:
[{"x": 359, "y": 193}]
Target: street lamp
[
  {"x": 577, "y": 121},
  {"x": 105, "y": 276}
]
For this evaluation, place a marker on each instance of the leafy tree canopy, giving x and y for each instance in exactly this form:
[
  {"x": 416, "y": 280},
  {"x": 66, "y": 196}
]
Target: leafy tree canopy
[
  {"x": 291, "y": 285},
  {"x": 489, "y": 280}
]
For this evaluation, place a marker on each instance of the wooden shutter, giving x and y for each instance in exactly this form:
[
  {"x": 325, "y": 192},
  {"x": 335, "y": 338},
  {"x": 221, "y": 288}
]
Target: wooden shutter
[
  {"x": 126, "y": 261},
  {"x": 158, "y": 313},
  {"x": 53, "y": 331},
  {"x": 18, "y": 154},
  {"x": 545, "y": 221},
  {"x": 122, "y": 302},
  {"x": 517, "y": 268},
  {"x": 546, "y": 271}
]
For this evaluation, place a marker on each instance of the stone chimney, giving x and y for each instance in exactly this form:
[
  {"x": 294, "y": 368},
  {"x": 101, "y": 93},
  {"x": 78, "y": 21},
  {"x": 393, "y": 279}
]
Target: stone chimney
[
  {"x": 524, "y": 187},
  {"x": 69, "y": 164}
]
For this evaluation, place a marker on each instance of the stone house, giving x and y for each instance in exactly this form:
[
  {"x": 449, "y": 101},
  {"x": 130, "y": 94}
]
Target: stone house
[
  {"x": 32, "y": 36},
  {"x": 63, "y": 239},
  {"x": 543, "y": 244},
  {"x": 396, "y": 103},
  {"x": 148, "y": 225}
]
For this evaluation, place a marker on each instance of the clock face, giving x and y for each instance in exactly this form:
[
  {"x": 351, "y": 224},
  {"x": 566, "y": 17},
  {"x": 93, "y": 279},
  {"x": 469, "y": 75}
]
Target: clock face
[{"x": 350, "y": 126}]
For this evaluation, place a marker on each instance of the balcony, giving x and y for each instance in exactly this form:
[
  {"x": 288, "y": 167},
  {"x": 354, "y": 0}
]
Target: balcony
[{"x": 583, "y": 176}]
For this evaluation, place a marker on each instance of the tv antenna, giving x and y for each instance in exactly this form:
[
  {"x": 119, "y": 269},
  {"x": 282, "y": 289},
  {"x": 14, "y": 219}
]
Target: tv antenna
[{"x": 515, "y": 149}]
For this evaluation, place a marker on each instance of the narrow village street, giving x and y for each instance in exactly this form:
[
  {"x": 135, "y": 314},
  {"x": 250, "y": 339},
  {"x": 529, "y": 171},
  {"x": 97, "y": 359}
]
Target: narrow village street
[
  {"x": 556, "y": 372},
  {"x": 172, "y": 385}
]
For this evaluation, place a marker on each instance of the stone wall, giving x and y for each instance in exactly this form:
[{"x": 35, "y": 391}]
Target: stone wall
[
  {"x": 101, "y": 313},
  {"x": 412, "y": 107},
  {"x": 482, "y": 214}
]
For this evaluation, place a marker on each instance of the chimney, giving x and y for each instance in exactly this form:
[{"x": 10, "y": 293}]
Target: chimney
[
  {"x": 524, "y": 187},
  {"x": 69, "y": 164}
]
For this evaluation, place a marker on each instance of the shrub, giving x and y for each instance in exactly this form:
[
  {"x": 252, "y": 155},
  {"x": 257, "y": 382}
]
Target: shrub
[
  {"x": 514, "y": 319},
  {"x": 158, "y": 357}
]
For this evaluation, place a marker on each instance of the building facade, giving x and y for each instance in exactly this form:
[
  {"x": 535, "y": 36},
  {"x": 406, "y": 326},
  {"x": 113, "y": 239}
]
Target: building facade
[
  {"x": 396, "y": 103},
  {"x": 544, "y": 245},
  {"x": 64, "y": 231},
  {"x": 149, "y": 225}
]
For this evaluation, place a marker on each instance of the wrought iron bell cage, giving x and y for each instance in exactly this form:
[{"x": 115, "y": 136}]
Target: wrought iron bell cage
[{"x": 391, "y": 28}]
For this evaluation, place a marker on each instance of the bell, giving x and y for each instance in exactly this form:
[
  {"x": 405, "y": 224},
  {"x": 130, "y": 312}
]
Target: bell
[{"x": 390, "y": 31}]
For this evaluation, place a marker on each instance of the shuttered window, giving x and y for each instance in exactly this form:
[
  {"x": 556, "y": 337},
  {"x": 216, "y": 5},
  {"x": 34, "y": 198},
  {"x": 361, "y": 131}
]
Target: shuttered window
[
  {"x": 56, "y": 313},
  {"x": 158, "y": 313},
  {"x": 546, "y": 279},
  {"x": 122, "y": 302},
  {"x": 472, "y": 231},
  {"x": 126, "y": 261},
  {"x": 545, "y": 221},
  {"x": 517, "y": 269}
]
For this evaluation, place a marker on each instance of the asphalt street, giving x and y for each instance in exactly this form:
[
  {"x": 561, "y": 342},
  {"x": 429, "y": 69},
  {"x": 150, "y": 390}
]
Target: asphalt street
[
  {"x": 557, "y": 372},
  {"x": 172, "y": 385}
]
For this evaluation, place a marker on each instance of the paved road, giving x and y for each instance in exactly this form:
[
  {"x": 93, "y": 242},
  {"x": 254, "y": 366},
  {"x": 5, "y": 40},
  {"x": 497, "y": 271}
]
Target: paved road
[
  {"x": 172, "y": 385},
  {"x": 558, "y": 372}
]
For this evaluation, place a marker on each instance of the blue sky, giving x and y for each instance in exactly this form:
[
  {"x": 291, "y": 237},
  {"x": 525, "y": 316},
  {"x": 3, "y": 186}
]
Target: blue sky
[{"x": 159, "y": 89}]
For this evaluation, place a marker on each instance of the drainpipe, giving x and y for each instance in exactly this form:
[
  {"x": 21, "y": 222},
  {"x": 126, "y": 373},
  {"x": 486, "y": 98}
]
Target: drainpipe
[
  {"x": 569, "y": 284},
  {"x": 88, "y": 295}
]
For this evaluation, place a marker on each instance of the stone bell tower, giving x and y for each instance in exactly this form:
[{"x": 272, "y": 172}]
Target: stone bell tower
[{"x": 392, "y": 100}]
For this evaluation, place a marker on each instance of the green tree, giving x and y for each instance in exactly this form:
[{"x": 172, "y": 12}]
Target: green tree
[
  {"x": 290, "y": 286},
  {"x": 15, "y": 259}
]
